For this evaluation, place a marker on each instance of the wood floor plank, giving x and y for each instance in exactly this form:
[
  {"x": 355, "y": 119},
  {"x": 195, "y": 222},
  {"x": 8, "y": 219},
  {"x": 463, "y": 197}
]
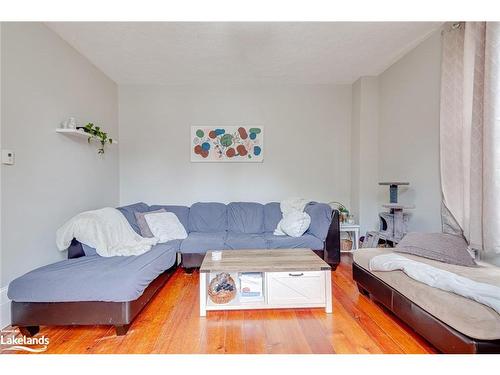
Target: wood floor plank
[
  {"x": 255, "y": 332},
  {"x": 390, "y": 334},
  {"x": 215, "y": 337},
  {"x": 170, "y": 323},
  {"x": 360, "y": 338},
  {"x": 368, "y": 313},
  {"x": 317, "y": 335}
]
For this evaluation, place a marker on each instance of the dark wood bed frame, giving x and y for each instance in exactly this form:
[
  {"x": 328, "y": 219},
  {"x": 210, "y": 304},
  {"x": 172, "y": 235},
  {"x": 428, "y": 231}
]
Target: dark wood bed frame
[
  {"x": 445, "y": 338},
  {"x": 330, "y": 252},
  {"x": 29, "y": 316}
]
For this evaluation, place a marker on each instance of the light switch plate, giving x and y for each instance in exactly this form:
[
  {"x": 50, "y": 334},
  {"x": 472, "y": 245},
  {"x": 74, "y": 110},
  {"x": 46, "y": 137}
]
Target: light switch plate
[{"x": 7, "y": 157}]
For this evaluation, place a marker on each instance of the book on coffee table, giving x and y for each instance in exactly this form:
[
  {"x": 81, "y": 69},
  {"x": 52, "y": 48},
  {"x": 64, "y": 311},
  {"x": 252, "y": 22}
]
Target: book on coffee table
[{"x": 251, "y": 286}]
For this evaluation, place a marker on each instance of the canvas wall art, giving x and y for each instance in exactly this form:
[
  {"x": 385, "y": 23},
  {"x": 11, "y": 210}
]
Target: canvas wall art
[{"x": 227, "y": 144}]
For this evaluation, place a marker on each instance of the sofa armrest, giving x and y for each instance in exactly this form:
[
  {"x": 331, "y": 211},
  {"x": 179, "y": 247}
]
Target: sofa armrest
[{"x": 332, "y": 242}]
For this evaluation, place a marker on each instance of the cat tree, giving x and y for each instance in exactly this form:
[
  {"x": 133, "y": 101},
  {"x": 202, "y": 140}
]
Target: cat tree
[{"x": 393, "y": 225}]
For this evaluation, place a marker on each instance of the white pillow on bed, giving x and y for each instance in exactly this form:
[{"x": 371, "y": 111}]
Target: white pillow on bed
[
  {"x": 165, "y": 226},
  {"x": 294, "y": 224}
]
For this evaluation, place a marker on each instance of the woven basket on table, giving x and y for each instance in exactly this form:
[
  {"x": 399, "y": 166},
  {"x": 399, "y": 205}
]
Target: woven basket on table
[
  {"x": 345, "y": 245},
  {"x": 222, "y": 296}
]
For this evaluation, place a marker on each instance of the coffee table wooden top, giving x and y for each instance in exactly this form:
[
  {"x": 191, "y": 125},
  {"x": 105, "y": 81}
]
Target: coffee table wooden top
[{"x": 276, "y": 260}]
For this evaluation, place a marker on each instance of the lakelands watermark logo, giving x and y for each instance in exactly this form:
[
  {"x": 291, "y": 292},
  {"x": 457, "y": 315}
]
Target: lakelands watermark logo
[{"x": 12, "y": 340}]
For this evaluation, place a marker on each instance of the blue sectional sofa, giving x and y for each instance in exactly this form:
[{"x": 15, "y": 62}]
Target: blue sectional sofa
[
  {"x": 89, "y": 289},
  {"x": 246, "y": 225},
  {"x": 242, "y": 225}
]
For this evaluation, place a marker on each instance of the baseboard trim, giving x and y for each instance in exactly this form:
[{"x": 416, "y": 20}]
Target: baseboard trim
[{"x": 4, "y": 308}]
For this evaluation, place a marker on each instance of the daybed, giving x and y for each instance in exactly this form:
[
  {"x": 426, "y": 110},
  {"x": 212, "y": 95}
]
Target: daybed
[
  {"x": 452, "y": 323},
  {"x": 87, "y": 289}
]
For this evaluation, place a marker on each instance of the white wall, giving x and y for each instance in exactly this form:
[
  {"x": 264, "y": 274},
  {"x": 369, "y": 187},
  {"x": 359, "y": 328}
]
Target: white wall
[
  {"x": 44, "y": 81},
  {"x": 395, "y": 137},
  {"x": 354, "y": 207},
  {"x": 409, "y": 131},
  {"x": 364, "y": 153},
  {"x": 4, "y": 305},
  {"x": 307, "y": 143}
]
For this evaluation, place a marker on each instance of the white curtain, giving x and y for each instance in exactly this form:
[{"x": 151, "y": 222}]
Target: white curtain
[{"x": 470, "y": 133}]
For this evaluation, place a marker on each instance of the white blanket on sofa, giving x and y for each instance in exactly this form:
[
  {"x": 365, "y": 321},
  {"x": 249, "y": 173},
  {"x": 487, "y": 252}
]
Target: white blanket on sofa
[
  {"x": 485, "y": 294},
  {"x": 295, "y": 221},
  {"x": 106, "y": 230},
  {"x": 293, "y": 205}
]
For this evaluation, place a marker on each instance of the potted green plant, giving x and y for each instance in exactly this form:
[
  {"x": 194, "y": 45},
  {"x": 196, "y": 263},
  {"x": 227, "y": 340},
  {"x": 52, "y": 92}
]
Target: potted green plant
[
  {"x": 96, "y": 133},
  {"x": 344, "y": 212}
]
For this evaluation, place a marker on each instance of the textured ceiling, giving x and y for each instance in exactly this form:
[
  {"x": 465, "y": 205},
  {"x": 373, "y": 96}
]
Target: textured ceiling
[{"x": 242, "y": 53}]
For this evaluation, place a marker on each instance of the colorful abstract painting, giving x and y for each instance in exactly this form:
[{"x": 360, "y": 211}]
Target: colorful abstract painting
[{"x": 227, "y": 144}]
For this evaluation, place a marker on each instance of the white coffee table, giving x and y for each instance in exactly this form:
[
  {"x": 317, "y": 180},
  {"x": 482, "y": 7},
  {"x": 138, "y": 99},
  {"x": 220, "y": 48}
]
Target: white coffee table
[{"x": 292, "y": 278}]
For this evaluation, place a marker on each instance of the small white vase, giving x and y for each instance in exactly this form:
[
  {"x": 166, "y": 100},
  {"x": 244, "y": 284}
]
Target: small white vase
[{"x": 71, "y": 123}]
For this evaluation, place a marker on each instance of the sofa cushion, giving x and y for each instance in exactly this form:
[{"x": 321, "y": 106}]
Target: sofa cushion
[
  {"x": 165, "y": 226},
  {"x": 95, "y": 278},
  {"x": 321, "y": 218},
  {"x": 201, "y": 242},
  {"x": 129, "y": 213},
  {"x": 245, "y": 217},
  {"x": 208, "y": 217},
  {"x": 182, "y": 212},
  {"x": 143, "y": 225},
  {"x": 293, "y": 224},
  {"x": 272, "y": 216},
  {"x": 307, "y": 241},
  {"x": 237, "y": 241}
]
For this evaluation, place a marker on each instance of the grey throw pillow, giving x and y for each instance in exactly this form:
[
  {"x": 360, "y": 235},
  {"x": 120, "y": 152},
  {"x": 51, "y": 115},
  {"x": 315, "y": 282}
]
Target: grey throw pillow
[
  {"x": 446, "y": 248},
  {"x": 143, "y": 225}
]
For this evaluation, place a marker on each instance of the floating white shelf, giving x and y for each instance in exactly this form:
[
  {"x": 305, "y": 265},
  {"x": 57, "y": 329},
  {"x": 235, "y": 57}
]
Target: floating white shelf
[{"x": 77, "y": 133}]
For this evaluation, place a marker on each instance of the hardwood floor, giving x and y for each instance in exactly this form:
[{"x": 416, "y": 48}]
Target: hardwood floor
[{"x": 170, "y": 324}]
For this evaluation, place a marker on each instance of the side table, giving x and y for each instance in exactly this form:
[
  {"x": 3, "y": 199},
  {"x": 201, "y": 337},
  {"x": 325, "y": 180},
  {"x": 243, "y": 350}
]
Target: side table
[{"x": 354, "y": 229}]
